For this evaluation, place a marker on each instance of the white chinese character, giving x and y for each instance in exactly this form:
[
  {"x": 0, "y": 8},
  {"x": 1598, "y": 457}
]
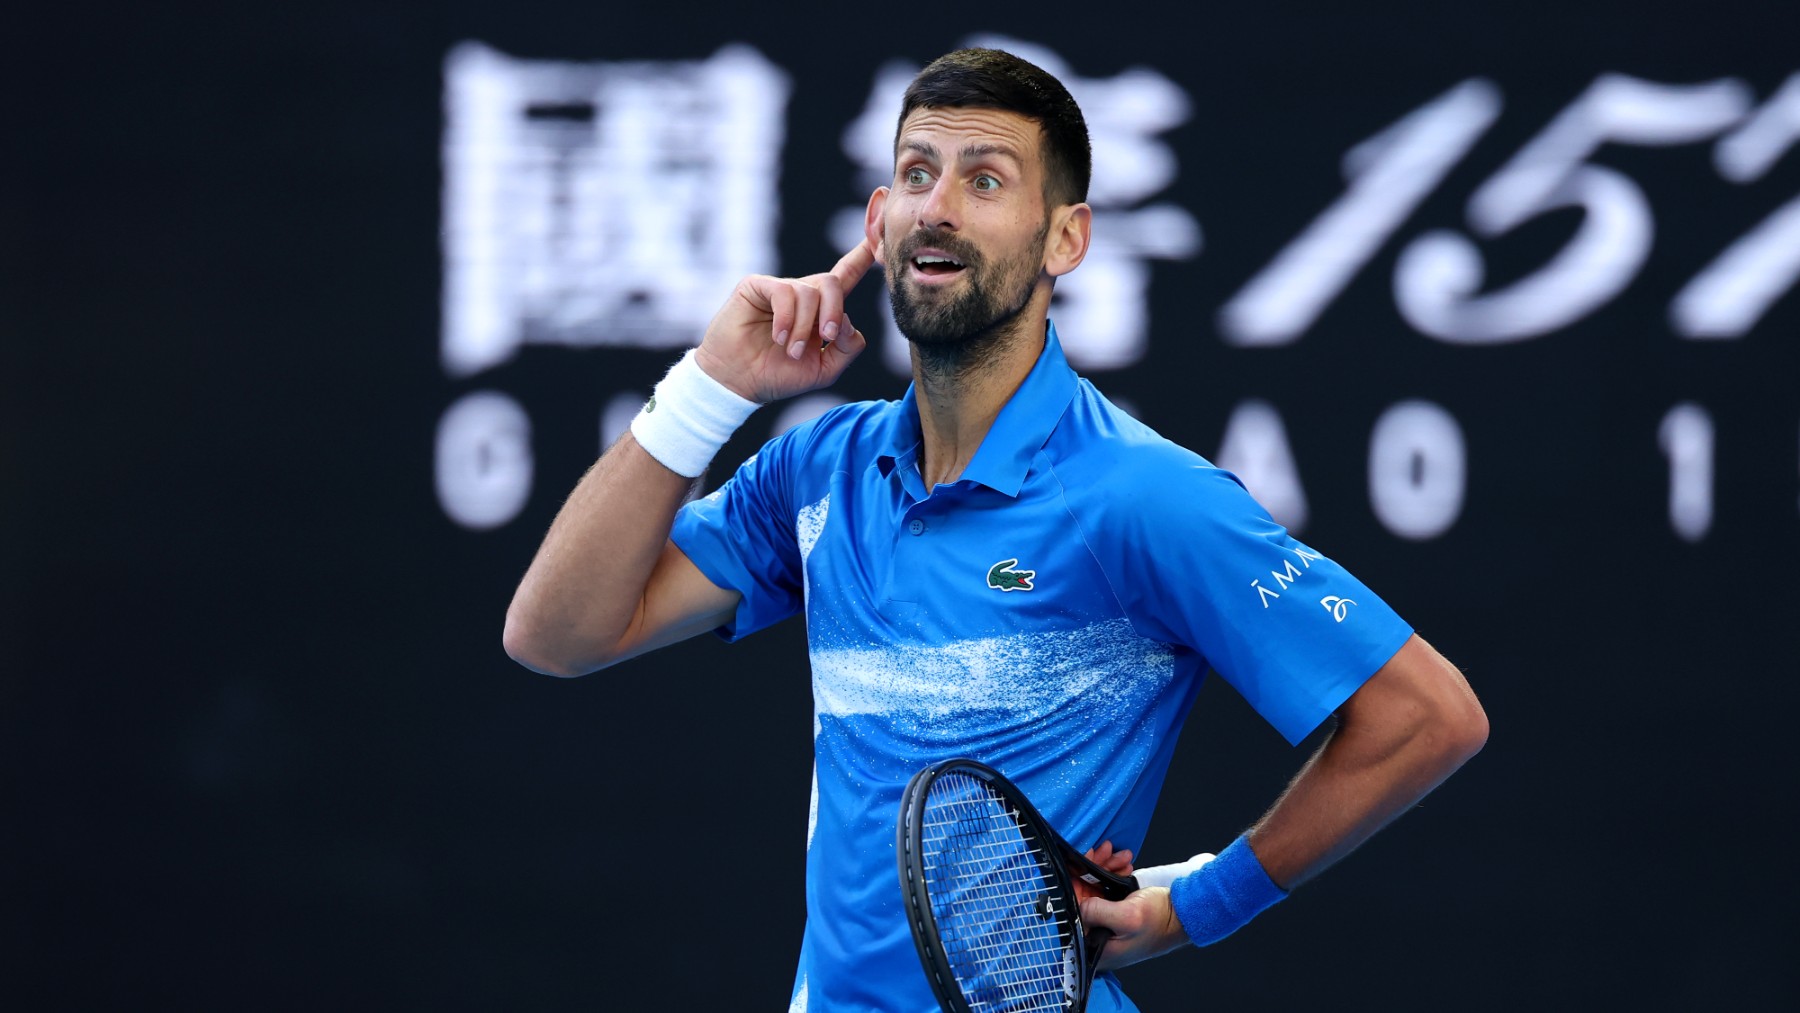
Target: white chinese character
[
  {"x": 602, "y": 203},
  {"x": 1102, "y": 309}
]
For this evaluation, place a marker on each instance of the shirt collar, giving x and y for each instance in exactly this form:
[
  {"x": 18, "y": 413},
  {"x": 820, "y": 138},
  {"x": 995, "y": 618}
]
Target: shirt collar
[{"x": 1018, "y": 433}]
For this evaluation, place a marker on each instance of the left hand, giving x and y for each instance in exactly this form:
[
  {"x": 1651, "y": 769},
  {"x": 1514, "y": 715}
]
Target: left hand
[
  {"x": 1143, "y": 926},
  {"x": 1116, "y": 862}
]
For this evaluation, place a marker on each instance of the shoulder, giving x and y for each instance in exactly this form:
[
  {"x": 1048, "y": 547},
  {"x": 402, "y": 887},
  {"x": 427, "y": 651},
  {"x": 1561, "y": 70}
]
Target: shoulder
[{"x": 1117, "y": 469}]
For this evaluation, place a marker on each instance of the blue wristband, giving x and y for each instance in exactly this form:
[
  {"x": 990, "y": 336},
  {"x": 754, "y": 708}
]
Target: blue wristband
[{"x": 1224, "y": 894}]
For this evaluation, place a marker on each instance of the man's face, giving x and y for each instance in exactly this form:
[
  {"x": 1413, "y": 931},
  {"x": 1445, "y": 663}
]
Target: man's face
[{"x": 964, "y": 224}]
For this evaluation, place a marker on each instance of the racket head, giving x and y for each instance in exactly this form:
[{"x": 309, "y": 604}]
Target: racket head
[{"x": 988, "y": 896}]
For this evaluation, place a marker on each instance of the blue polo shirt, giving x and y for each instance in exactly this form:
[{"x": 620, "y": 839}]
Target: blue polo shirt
[{"x": 1051, "y": 613}]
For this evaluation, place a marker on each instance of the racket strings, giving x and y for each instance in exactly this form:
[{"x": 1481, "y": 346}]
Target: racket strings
[{"x": 1004, "y": 922}]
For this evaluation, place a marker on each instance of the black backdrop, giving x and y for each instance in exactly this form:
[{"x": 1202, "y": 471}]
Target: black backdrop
[{"x": 261, "y": 745}]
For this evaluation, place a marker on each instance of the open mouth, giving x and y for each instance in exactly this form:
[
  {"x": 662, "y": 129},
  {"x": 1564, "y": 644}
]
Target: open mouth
[{"x": 936, "y": 265}]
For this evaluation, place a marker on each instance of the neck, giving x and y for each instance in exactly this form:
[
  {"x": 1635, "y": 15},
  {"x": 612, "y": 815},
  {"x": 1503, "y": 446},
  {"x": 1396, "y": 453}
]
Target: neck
[{"x": 960, "y": 391}]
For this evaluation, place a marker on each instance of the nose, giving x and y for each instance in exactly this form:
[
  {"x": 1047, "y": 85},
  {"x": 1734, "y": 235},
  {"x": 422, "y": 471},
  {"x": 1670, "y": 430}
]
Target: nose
[{"x": 942, "y": 208}]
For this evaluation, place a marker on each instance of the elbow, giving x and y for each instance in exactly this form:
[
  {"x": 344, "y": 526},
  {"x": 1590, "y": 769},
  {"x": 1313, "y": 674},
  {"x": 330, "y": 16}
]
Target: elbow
[
  {"x": 1472, "y": 732},
  {"x": 1462, "y": 731},
  {"x": 1458, "y": 722},
  {"x": 540, "y": 653}
]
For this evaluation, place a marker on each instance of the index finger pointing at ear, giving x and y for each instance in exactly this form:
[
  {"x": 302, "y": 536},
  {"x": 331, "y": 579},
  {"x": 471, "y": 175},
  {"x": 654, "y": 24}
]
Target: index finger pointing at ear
[{"x": 851, "y": 267}]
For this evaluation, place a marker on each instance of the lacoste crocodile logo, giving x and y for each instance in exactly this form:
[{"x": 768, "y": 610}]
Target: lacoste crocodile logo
[{"x": 1002, "y": 576}]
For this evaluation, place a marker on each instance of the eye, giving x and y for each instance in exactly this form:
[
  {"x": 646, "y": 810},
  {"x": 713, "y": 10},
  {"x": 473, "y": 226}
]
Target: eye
[
  {"x": 916, "y": 176},
  {"x": 986, "y": 183}
]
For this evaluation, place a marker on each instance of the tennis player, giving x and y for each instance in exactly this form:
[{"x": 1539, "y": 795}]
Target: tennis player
[{"x": 1000, "y": 565}]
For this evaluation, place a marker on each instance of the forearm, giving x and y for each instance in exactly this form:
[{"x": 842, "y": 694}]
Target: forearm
[
  {"x": 585, "y": 587},
  {"x": 1397, "y": 739},
  {"x": 1338, "y": 800}
]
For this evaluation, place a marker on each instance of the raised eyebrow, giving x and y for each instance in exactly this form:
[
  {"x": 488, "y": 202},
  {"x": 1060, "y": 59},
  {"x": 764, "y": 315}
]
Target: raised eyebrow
[
  {"x": 968, "y": 152},
  {"x": 923, "y": 149},
  {"x": 972, "y": 152}
]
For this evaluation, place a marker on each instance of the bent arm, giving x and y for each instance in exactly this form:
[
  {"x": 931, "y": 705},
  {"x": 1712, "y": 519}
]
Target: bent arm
[
  {"x": 1399, "y": 736},
  {"x": 607, "y": 584},
  {"x": 1410, "y": 726}
]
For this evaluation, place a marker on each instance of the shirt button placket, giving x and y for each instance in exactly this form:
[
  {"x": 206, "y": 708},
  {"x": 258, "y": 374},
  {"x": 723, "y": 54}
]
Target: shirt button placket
[{"x": 915, "y": 526}]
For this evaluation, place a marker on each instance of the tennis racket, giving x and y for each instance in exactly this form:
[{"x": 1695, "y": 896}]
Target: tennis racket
[{"x": 990, "y": 895}]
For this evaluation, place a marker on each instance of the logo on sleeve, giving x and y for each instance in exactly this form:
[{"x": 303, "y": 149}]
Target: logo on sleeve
[
  {"x": 1285, "y": 576},
  {"x": 1002, "y": 575},
  {"x": 1337, "y": 606}
]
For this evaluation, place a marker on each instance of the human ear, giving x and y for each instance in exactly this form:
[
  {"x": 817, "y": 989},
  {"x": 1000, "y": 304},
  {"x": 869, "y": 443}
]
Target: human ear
[
  {"x": 1071, "y": 229},
  {"x": 872, "y": 223}
]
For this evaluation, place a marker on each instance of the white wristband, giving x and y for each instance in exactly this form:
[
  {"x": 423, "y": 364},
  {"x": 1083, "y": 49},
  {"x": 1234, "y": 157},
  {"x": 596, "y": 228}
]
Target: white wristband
[
  {"x": 1164, "y": 875},
  {"x": 688, "y": 418}
]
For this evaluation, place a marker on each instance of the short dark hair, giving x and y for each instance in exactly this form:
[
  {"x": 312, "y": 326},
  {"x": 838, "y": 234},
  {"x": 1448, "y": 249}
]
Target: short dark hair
[{"x": 996, "y": 79}]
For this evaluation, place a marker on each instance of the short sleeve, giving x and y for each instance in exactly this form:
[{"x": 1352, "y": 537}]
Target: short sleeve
[
  {"x": 1204, "y": 565},
  {"x": 742, "y": 538}
]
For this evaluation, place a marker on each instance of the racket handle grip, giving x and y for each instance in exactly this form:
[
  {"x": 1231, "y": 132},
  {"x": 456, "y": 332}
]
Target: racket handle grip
[
  {"x": 1097, "y": 938},
  {"x": 1101, "y": 881}
]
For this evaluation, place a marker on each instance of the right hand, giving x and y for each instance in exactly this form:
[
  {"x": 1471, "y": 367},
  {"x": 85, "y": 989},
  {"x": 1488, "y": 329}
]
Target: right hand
[{"x": 777, "y": 337}]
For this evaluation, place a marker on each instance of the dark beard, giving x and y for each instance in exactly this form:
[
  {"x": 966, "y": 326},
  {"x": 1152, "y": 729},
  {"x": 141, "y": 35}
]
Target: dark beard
[{"x": 960, "y": 334}]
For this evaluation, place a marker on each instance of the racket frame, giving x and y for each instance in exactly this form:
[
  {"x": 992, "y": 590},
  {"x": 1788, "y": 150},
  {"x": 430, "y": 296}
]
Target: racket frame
[{"x": 923, "y": 921}]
